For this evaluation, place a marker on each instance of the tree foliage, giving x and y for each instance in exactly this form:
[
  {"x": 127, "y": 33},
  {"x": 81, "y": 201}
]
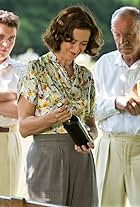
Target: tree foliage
[{"x": 35, "y": 16}]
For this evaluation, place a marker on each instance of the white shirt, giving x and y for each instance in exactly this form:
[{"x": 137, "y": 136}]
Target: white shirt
[
  {"x": 10, "y": 71},
  {"x": 114, "y": 78}
]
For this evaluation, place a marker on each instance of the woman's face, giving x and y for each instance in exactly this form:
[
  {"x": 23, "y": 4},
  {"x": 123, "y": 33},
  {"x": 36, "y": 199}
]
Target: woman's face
[{"x": 70, "y": 50}]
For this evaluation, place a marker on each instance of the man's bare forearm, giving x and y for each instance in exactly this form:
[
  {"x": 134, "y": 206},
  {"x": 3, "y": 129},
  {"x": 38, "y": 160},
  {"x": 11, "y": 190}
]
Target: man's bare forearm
[
  {"x": 7, "y": 96},
  {"x": 9, "y": 109}
]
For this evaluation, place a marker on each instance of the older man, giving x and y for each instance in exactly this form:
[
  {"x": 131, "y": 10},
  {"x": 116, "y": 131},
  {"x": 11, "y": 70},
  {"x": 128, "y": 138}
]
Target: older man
[
  {"x": 10, "y": 148},
  {"x": 117, "y": 111}
]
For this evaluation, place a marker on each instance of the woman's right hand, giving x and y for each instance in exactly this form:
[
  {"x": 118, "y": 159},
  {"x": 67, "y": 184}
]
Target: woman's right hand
[
  {"x": 29, "y": 124},
  {"x": 60, "y": 114}
]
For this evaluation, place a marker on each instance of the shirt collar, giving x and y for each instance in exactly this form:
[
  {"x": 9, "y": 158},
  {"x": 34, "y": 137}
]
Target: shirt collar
[
  {"x": 135, "y": 65},
  {"x": 119, "y": 60},
  {"x": 6, "y": 63},
  {"x": 52, "y": 56},
  {"x": 9, "y": 62}
]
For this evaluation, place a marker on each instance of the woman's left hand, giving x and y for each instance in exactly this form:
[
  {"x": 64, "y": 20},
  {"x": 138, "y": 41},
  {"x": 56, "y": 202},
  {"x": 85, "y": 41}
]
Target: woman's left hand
[
  {"x": 91, "y": 127},
  {"x": 83, "y": 149}
]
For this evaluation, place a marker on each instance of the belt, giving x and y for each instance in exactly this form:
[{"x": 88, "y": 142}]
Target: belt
[{"x": 2, "y": 129}]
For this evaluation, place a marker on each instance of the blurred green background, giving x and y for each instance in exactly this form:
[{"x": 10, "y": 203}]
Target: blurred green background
[{"x": 36, "y": 14}]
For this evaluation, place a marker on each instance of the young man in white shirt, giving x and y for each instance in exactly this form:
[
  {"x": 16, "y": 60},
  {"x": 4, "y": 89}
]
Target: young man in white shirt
[
  {"x": 117, "y": 110},
  {"x": 10, "y": 70}
]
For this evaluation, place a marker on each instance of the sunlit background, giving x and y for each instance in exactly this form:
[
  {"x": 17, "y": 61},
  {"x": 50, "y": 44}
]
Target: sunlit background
[{"x": 35, "y": 16}]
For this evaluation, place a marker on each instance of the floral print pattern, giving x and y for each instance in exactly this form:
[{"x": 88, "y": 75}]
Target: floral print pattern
[{"x": 46, "y": 83}]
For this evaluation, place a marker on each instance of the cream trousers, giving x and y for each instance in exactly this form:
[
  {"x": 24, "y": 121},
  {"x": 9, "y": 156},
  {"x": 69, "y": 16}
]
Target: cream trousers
[
  {"x": 10, "y": 162},
  {"x": 117, "y": 161}
]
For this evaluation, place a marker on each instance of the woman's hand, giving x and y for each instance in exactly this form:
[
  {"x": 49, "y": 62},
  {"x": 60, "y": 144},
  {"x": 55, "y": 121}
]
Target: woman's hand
[
  {"x": 91, "y": 127},
  {"x": 83, "y": 149},
  {"x": 93, "y": 132},
  {"x": 29, "y": 124},
  {"x": 61, "y": 114}
]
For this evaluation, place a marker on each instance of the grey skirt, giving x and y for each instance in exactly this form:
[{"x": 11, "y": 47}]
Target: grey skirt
[{"x": 57, "y": 174}]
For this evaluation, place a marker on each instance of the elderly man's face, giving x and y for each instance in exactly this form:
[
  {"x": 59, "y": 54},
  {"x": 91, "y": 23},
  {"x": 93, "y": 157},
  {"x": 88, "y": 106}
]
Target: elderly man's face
[{"x": 126, "y": 34}]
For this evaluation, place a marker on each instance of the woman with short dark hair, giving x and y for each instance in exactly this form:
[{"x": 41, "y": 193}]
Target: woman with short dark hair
[
  {"x": 59, "y": 171},
  {"x": 62, "y": 26}
]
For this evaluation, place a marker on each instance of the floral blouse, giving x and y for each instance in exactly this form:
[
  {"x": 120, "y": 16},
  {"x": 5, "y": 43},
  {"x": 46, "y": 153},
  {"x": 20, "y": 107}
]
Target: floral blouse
[{"x": 46, "y": 83}]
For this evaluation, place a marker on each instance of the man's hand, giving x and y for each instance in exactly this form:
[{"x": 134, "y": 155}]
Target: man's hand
[
  {"x": 128, "y": 104},
  {"x": 8, "y": 104},
  {"x": 9, "y": 109}
]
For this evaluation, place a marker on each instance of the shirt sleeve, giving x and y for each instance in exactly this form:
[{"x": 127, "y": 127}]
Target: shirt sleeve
[
  {"x": 28, "y": 83},
  {"x": 104, "y": 104}
]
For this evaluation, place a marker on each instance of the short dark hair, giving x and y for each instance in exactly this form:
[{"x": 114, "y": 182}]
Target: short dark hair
[
  {"x": 9, "y": 18},
  {"x": 62, "y": 26}
]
